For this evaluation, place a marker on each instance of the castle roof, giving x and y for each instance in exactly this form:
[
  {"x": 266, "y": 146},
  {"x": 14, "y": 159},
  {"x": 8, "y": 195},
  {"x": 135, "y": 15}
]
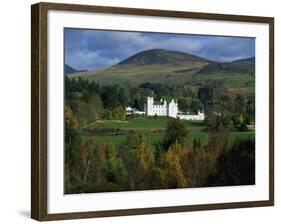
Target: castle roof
[{"x": 159, "y": 103}]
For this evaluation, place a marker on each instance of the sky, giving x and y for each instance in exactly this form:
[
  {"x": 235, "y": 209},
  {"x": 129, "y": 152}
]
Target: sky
[{"x": 91, "y": 50}]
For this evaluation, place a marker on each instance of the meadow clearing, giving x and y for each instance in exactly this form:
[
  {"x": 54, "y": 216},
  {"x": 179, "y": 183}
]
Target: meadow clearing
[{"x": 154, "y": 129}]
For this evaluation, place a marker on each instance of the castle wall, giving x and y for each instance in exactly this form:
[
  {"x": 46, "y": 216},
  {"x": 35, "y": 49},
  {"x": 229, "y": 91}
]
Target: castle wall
[
  {"x": 192, "y": 117},
  {"x": 160, "y": 110}
]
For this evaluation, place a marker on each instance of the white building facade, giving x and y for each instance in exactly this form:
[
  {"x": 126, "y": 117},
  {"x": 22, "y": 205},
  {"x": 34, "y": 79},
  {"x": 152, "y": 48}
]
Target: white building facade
[
  {"x": 162, "y": 108},
  {"x": 200, "y": 116},
  {"x": 131, "y": 111}
]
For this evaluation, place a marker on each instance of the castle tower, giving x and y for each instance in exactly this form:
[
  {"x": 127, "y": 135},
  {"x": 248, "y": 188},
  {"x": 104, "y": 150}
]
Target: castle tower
[
  {"x": 173, "y": 109},
  {"x": 149, "y": 106}
]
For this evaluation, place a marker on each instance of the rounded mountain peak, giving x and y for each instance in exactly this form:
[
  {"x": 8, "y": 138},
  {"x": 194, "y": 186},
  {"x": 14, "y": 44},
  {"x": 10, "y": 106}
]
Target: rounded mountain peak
[{"x": 160, "y": 56}]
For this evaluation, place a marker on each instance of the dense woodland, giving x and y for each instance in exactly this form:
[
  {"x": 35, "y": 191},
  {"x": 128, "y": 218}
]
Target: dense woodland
[{"x": 173, "y": 162}]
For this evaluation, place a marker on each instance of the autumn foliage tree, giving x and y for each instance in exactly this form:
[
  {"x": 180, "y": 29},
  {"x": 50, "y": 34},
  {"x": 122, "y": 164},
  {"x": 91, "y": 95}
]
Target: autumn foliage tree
[
  {"x": 173, "y": 165},
  {"x": 138, "y": 156},
  {"x": 72, "y": 144}
]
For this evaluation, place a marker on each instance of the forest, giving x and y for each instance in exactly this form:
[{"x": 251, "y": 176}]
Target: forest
[{"x": 107, "y": 151}]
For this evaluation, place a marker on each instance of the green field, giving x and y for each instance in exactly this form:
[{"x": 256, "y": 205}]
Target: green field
[
  {"x": 154, "y": 130},
  {"x": 144, "y": 123}
]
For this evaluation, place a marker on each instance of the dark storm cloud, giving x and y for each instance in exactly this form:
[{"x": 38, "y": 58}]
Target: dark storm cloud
[{"x": 96, "y": 49}]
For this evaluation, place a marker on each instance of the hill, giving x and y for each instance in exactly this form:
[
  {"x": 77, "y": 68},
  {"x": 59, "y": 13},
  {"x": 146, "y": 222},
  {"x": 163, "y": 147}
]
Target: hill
[
  {"x": 155, "y": 65},
  {"x": 174, "y": 68},
  {"x": 239, "y": 66},
  {"x": 68, "y": 69},
  {"x": 160, "y": 57},
  {"x": 251, "y": 59}
]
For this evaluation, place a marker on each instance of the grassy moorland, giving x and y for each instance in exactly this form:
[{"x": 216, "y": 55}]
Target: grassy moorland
[{"x": 238, "y": 82}]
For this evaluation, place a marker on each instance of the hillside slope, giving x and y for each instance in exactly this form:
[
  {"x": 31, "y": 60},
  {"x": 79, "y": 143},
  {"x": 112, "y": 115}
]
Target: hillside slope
[
  {"x": 156, "y": 65},
  {"x": 239, "y": 66},
  {"x": 175, "y": 68}
]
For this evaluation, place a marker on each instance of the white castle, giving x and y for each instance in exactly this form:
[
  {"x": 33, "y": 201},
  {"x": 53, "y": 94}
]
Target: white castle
[{"x": 162, "y": 108}]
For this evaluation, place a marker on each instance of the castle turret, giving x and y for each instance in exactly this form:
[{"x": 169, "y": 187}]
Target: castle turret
[
  {"x": 149, "y": 106},
  {"x": 173, "y": 109}
]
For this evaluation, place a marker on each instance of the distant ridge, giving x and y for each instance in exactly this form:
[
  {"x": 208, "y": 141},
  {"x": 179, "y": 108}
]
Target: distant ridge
[
  {"x": 69, "y": 70},
  {"x": 251, "y": 59},
  {"x": 246, "y": 65}
]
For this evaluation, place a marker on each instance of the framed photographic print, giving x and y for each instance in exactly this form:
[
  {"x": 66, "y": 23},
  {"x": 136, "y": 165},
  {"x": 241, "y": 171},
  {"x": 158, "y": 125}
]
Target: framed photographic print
[{"x": 138, "y": 111}]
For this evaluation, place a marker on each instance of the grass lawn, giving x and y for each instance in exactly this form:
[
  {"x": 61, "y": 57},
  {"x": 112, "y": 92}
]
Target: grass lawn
[{"x": 144, "y": 123}]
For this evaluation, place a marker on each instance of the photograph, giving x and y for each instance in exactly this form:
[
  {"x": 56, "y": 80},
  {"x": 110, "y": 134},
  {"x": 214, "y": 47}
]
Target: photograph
[{"x": 154, "y": 111}]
